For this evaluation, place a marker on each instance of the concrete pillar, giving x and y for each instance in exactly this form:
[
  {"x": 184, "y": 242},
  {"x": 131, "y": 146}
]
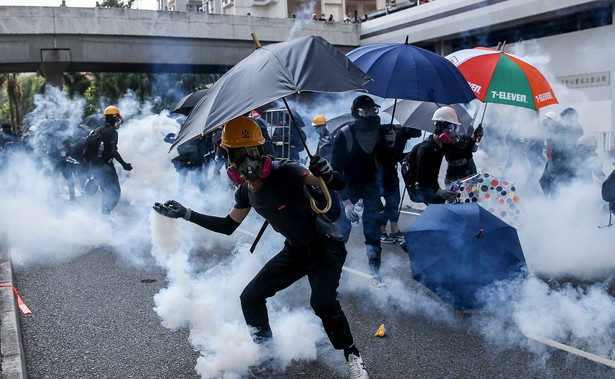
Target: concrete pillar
[
  {"x": 53, "y": 64},
  {"x": 444, "y": 47}
]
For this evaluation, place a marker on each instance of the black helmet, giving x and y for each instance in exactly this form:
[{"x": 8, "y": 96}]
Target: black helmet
[{"x": 363, "y": 102}]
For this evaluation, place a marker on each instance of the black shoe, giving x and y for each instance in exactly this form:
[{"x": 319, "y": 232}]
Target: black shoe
[{"x": 385, "y": 238}]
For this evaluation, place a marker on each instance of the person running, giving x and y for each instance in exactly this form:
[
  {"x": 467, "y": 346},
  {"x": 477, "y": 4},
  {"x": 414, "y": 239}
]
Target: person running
[{"x": 313, "y": 246}]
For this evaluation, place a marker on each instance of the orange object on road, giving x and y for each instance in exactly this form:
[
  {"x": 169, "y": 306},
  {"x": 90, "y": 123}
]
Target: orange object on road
[
  {"x": 21, "y": 304},
  {"x": 381, "y": 331}
]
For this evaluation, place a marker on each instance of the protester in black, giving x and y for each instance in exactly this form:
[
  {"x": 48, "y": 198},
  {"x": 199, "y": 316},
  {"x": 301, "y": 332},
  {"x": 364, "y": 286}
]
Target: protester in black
[
  {"x": 103, "y": 169},
  {"x": 459, "y": 156},
  {"x": 313, "y": 246},
  {"x": 561, "y": 144},
  {"x": 429, "y": 154},
  {"x": 358, "y": 165},
  {"x": 389, "y": 179}
]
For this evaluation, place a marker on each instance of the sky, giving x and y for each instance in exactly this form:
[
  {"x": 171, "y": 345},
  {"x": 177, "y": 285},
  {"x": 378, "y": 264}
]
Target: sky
[{"x": 139, "y": 4}]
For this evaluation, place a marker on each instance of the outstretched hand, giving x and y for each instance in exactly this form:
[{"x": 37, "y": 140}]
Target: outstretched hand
[{"x": 171, "y": 208}]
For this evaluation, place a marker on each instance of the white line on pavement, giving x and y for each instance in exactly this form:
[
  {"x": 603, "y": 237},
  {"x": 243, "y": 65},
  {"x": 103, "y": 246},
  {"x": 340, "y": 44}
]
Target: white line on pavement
[
  {"x": 356, "y": 272},
  {"x": 572, "y": 350}
]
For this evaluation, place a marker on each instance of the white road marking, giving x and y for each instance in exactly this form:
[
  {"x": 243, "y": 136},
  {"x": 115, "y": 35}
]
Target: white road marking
[
  {"x": 572, "y": 350},
  {"x": 356, "y": 272}
]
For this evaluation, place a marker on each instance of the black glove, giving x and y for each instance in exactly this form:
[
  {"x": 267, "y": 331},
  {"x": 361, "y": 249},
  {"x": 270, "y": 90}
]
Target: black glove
[
  {"x": 127, "y": 166},
  {"x": 319, "y": 166},
  {"x": 447, "y": 195},
  {"x": 172, "y": 209},
  {"x": 479, "y": 133}
]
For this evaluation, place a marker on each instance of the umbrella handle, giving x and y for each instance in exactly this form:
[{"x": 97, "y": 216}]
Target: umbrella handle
[{"x": 325, "y": 191}]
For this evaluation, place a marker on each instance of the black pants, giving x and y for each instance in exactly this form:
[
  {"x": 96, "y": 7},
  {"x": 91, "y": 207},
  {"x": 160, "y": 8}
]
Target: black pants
[
  {"x": 109, "y": 185},
  {"x": 322, "y": 263}
]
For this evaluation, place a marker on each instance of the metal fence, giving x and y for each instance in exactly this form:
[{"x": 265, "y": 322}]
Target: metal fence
[{"x": 605, "y": 140}]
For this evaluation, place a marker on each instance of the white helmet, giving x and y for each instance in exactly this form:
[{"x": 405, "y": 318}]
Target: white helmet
[
  {"x": 590, "y": 142},
  {"x": 447, "y": 114},
  {"x": 551, "y": 115}
]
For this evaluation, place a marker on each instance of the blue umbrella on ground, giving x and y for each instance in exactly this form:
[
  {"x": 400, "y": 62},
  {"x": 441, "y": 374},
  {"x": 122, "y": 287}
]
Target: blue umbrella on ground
[
  {"x": 404, "y": 71},
  {"x": 457, "y": 249}
]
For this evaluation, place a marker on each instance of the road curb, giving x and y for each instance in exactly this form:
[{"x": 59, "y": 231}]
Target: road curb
[{"x": 12, "y": 363}]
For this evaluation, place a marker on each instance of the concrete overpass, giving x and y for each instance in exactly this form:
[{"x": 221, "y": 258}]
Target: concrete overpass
[{"x": 55, "y": 40}]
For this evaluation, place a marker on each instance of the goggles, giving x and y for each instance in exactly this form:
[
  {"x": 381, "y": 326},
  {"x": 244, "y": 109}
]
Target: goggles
[
  {"x": 366, "y": 112},
  {"x": 239, "y": 154},
  {"x": 453, "y": 128}
]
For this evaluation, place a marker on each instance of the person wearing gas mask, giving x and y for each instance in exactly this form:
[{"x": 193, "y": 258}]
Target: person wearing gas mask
[
  {"x": 313, "y": 246},
  {"x": 360, "y": 170},
  {"x": 103, "y": 169},
  {"x": 429, "y": 154}
]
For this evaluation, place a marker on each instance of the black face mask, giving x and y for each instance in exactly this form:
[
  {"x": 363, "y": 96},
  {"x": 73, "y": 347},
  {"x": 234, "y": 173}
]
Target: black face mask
[{"x": 372, "y": 119}]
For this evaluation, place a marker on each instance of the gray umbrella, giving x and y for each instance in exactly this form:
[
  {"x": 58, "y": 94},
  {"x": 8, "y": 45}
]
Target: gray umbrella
[
  {"x": 308, "y": 64},
  {"x": 418, "y": 114},
  {"x": 185, "y": 105}
]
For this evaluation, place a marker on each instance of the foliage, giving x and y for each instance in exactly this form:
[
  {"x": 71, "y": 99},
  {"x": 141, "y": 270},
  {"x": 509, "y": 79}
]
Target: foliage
[
  {"x": 117, "y": 4},
  {"x": 99, "y": 89}
]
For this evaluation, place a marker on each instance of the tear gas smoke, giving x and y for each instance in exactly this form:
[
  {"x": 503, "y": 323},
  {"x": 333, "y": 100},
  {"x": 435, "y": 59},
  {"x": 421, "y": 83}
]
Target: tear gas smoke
[
  {"x": 305, "y": 14},
  {"x": 207, "y": 271}
]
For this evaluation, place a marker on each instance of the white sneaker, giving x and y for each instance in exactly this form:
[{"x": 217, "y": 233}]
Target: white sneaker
[
  {"x": 356, "y": 367},
  {"x": 376, "y": 281}
]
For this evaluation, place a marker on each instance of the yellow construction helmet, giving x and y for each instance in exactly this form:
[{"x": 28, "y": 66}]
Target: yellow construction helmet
[
  {"x": 241, "y": 132},
  {"x": 112, "y": 110},
  {"x": 319, "y": 120}
]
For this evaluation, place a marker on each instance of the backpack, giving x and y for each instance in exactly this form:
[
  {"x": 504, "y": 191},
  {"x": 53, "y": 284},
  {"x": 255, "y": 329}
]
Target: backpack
[
  {"x": 408, "y": 172},
  {"x": 92, "y": 144},
  {"x": 325, "y": 148}
]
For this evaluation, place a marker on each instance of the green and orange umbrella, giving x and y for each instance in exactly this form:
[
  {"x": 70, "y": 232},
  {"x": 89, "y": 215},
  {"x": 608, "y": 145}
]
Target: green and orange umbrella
[{"x": 499, "y": 77}]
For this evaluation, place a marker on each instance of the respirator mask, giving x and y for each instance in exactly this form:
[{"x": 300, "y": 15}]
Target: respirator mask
[{"x": 246, "y": 164}]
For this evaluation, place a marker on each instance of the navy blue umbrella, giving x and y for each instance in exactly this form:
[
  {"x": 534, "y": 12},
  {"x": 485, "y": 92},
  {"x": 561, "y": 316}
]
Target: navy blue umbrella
[
  {"x": 457, "y": 249},
  {"x": 404, "y": 71}
]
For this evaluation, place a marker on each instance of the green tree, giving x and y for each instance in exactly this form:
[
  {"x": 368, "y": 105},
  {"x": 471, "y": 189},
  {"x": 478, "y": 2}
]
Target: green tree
[
  {"x": 76, "y": 83},
  {"x": 13, "y": 90},
  {"x": 117, "y": 3}
]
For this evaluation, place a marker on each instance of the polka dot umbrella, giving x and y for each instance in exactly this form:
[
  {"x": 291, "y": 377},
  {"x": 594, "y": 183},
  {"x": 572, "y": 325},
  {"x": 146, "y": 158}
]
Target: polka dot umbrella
[{"x": 495, "y": 194}]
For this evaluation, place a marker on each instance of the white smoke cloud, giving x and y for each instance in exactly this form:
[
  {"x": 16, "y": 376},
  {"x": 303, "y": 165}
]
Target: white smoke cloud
[{"x": 206, "y": 271}]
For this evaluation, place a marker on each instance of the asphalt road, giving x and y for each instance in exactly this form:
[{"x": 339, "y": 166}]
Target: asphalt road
[{"x": 93, "y": 317}]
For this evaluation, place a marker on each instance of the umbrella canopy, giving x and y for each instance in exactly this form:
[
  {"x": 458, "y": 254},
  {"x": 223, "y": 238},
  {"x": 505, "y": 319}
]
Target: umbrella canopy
[
  {"x": 457, "y": 249},
  {"x": 187, "y": 103},
  {"x": 418, "y": 114},
  {"x": 308, "y": 64},
  {"x": 337, "y": 122},
  {"x": 498, "y": 77},
  {"x": 497, "y": 195},
  {"x": 404, "y": 71},
  {"x": 94, "y": 121}
]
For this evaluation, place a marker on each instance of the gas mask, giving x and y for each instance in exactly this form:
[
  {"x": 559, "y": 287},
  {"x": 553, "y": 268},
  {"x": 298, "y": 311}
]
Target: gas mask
[
  {"x": 247, "y": 164},
  {"x": 113, "y": 120},
  {"x": 448, "y": 133}
]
